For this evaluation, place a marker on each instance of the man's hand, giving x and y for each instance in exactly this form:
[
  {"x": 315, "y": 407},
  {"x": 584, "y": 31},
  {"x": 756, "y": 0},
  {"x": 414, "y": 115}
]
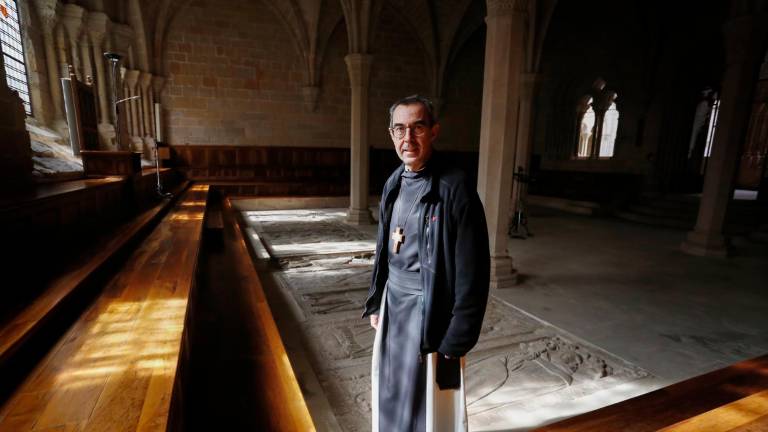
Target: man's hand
[{"x": 375, "y": 321}]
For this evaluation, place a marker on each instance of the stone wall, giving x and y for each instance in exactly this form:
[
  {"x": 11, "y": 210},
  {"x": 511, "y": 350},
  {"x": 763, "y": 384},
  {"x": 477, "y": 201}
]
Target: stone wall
[{"x": 236, "y": 78}]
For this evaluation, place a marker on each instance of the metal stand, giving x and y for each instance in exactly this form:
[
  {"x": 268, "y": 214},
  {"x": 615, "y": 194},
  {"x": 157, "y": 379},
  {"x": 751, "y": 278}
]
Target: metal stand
[
  {"x": 159, "y": 187},
  {"x": 114, "y": 61},
  {"x": 519, "y": 226}
]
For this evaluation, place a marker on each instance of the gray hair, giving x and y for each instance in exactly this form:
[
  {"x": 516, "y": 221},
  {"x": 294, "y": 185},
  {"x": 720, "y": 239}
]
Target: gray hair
[{"x": 411, "y": 100}]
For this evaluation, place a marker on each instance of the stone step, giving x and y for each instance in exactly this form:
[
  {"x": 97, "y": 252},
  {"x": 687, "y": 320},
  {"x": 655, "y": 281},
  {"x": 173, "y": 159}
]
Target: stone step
[
  {"x": 667, "y": 222},
  {"x": 674, "y": 202},
  {"x": 651, "y": 210},
  {"x": 587, "y": 208}
]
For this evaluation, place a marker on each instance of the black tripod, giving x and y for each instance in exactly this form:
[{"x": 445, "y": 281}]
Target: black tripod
[{"x": 518, "y": 228}]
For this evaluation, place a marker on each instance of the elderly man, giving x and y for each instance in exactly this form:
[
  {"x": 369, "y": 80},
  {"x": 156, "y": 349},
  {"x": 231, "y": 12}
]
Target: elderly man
[{"x": 430, "y": 281}]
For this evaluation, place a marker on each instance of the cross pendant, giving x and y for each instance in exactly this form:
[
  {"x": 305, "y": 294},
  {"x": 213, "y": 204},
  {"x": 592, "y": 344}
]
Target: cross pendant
[{"x": 399, "y": 238}]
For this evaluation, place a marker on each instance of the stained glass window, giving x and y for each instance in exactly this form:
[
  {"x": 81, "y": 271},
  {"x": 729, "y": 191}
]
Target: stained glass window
[{"x": 13, "y": 51}]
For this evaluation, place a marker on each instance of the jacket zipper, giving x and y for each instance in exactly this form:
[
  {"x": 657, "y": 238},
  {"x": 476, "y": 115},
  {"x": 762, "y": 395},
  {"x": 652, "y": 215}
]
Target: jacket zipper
[
  {"x": 384, "y": 242},
  {"x": 424, "y": 293}
]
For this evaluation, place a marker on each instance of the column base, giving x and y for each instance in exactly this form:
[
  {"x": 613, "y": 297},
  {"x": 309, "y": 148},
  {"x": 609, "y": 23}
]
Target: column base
[
  {"x": 359, "y": 216},
  {"x": 137, "y": 145},
  {"x": 705, "y": 244},
  {"x": 107, "y": 136},
  {"x": 149, "y": 148},
  {"x": 503, "y": 274}
]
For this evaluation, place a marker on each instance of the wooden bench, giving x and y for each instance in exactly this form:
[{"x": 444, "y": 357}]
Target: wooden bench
[
  {"x": 117, "y": 368},
  {"x": 241, "y": 378},
  {"x": 19, "y": 329},
  {"x": 730, "y": 399}
]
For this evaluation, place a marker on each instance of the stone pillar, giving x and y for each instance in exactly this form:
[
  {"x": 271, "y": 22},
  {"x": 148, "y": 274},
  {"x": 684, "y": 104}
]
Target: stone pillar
[
  {"x": 498, "y": 130},
  {"x": 97, "y": 29},
  {"x": 145, "y": 79},
  {"x": 745, "y": 41},
  {"x": 131, "y": 107},
  {"x": 85, "y": 58},
  {"x": 123, "y": 39},
  {"x": 158, "y": 85},
  {"x": 16, "y": 163},
  {"x": 359, "y": 69},
  {"x": 72, "y": 19},
  {"x": 524, "y": 142},
  {"x": 47, "y": 13},
  {"x": 62, "y": 54}
]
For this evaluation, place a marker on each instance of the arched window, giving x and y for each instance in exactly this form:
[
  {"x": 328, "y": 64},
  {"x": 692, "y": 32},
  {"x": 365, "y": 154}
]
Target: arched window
[
  {"x": 13, "y": 51},
  {"x": 585, "y": 132},
  {"x": 610, "y": 127},
  {"x": 598, "y": 123}
]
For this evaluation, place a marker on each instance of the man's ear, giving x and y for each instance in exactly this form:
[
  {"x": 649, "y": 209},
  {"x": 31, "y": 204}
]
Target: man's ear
[{"x": 435, "y": 130}]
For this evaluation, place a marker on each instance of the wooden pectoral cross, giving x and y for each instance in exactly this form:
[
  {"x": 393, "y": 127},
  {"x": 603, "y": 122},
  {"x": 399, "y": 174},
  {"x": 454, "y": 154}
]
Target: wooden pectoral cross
[{"x": 399, "y": 238}]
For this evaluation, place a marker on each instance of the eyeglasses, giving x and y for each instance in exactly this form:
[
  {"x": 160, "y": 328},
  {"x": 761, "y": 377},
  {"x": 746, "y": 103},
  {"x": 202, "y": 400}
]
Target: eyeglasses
[{"x": 417, "y": 130}]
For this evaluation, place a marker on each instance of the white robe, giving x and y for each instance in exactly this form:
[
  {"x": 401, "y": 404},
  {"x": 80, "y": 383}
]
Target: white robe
[{"x": 446, "y": 409}]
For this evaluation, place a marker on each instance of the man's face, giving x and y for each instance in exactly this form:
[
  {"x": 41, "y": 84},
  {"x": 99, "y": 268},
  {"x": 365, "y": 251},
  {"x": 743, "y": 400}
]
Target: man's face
[{"x": 413, "y": 150}]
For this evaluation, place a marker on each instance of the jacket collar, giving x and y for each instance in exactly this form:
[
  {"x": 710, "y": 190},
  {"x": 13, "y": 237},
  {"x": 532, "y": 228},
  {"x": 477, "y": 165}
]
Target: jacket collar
[{"x": 393, "y": 183}]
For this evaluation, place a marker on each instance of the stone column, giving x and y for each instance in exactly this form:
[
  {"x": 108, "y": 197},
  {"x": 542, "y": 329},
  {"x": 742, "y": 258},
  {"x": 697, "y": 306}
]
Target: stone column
[
  {"x": 524, "y": 149},
  {"x": 62, "y": 54},
  {"x": 47, "y": 13},
  {"x": 72, "y": 19},
  {"x": 85, "y": 58},
  {"x": 359, "y": 69},
  {"x": 745, "y": 41},
  {"x": 498, "y": 130},
  {"x": 158, "y": 85},
  {"x": 131, "y": 108},
  {"x": 97, "y": 29},
  {"x": 145, "y": 80}
]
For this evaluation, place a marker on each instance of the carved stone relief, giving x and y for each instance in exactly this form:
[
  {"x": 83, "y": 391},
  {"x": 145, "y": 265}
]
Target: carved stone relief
[{"x": 519, "y": 363}]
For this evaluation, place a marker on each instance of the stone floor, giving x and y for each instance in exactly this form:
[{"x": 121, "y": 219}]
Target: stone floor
[
  {"x": 621, "y": 293},
  {"x": 629, "y": 289}
]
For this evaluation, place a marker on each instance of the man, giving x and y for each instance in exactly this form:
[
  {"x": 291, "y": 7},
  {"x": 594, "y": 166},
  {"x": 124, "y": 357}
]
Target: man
[{"x": 430, "y": 282}]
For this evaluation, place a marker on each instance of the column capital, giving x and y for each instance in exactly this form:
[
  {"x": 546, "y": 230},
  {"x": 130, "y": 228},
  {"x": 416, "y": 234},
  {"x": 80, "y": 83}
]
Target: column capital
[
  {"x": 47, "y": 11},
  {"x": 145, "y": 79},
  {"x": 359, "y": 68},
  {"x": 97, "y": 24},
  {"x": 158, "y": 84},
  {"x": 131, "y": 78},
  {"x": 123, "y": 37},
  {"x": 72, "y": 17},
  {"x": 505, "y": 7}
]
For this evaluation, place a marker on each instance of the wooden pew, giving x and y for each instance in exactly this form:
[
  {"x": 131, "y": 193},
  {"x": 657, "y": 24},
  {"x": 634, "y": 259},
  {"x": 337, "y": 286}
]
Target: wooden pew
[
  {"x": 18, "y": 330},
  {"x": 118, "y": 367},
  {"x": 255, "y": 386},
  {"x": 730, "y": 399}
]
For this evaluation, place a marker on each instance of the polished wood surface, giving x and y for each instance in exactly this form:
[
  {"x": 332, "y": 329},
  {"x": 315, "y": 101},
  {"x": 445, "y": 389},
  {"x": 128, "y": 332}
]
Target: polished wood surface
[
  {"x": 260, "y": 373},
  {"x": 9, "y": 201},
  {"x": 733, "y": 398},
  {"x": 115, "y": 369},
  {"x": 270, "y": 170},
  {"x": 21, "y": 326},
  {"x": 744, "y": 414}
]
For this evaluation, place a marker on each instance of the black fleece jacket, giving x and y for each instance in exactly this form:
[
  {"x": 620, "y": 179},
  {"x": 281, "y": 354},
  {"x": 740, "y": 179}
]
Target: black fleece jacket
[{"x": 454, "y": 257}]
